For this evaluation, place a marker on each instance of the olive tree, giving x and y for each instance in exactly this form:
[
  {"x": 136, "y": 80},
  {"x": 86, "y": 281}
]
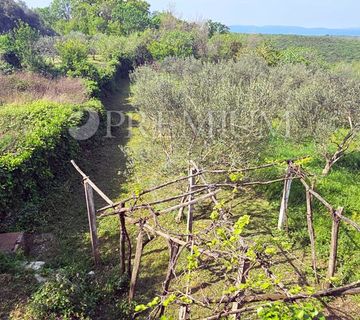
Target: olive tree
[
  {"x": 212, "y": 113},
  {"x": 323, "y": 108}
]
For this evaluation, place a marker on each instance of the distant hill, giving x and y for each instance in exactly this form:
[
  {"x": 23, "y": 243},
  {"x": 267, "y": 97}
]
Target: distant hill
[
  {"x": 11, "y": 12},
  {"x": 289, "y": 30}
]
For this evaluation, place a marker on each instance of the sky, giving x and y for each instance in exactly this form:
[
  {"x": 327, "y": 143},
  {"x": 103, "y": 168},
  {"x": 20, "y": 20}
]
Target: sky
[{"x": 302, "y": 13}]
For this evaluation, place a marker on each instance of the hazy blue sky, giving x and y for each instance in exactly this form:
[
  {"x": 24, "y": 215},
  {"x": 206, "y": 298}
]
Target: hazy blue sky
[{"x": 306, "y": 13}]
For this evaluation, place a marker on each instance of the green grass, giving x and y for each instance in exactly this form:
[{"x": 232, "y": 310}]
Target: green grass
[
  {"x": 341, "y": 188},
  {"x": 119, "y": 172}
]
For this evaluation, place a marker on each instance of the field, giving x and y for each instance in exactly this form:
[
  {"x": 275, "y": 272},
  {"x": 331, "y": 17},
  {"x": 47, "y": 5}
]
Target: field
[{"x": 332, "y": 49}]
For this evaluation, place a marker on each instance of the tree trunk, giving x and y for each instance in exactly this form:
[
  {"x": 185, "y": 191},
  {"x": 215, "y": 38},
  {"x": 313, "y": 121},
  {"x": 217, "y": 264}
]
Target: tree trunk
[{"x": 327, "y": 168}]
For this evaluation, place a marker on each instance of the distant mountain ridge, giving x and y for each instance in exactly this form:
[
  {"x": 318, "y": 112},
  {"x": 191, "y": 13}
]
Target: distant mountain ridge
[{"x": 288, "y": 30}]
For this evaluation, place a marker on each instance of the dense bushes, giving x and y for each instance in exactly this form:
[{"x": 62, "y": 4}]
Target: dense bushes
[
  {"x": 229, "y": 110},
  {"x": 172, "y": 44},
  {"x": 71, "y": 294},
  {"x": 35, "y": 146},
  {"x": 206, "y": 111}
]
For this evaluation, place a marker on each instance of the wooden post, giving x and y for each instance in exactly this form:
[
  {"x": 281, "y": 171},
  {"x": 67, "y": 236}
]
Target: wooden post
[
  {"x": 285, "y": 200},
  {"x": 174, "y": 250},
  {"x": 309, "y": 218},
  {"x": 334, "y": 242},
  {"x": 137, "y": 260},
  {"x": 184, "y": 312},
  {"x": 180, "y": 215},
  {"x": 89, "y": 195},
  {"x": 190, "y": 217},
  {"x": 122, "y": 242},
  {"x": 213, "y": 198},
  {"x": 241, "y": 278}
]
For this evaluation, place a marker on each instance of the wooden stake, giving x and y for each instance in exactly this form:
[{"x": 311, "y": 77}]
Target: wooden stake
[
  {"x": 285, "y": 200},
  {"x": 136, "y": 267},
  {"x": 89, "y": 195},
  {"x": 184, "y": 312},
  {"x": 241, "y": 278},
  {"x": 122, "y": 243},
  {"x": 309, "y": 217},
  {"x": 334, "y": 242},
  {"x": 180, "y": 215},
  {"x": 213, "y": 198},
  {"x": 174, "y": 255},
  {"x": 190, "y": 217}
]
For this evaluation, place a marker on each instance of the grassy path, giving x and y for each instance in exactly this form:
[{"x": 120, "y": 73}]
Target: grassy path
[{"x": 63, "y": 214}]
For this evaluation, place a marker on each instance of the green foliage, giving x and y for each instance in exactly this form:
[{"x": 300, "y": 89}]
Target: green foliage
[
  {"x": 132, "y": 16},
  {"x": 23, "y": 41},
  {"x": 10, "y": 263},
  {"x": 151, "y": 304},
  {"x": 267, "y": 51},
  {"x": 278, "y": 310},
  {"x": 12, "y": 11},
  {"x": 300, "y": 55},
  {"x": 34, "y": 146},
  {"x": 73, "y": 53},
  {"x": 5, "y": 44},
  {"x": 194, "y": 98},
  {"x": 331, "y": 49},
  {"x": 172, "y": 44},
  {"x": 224, "y": 46},
  {"x": 217, "y": 28},
  {"x": 107, "y": 17},
  {"x": 69, "y": 295}
]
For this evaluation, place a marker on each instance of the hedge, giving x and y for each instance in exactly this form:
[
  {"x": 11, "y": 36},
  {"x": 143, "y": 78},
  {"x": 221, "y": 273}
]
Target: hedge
[{"x": 34, "y": 148}]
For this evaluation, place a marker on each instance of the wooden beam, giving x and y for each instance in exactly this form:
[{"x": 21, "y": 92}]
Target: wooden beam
[
  {"x": 334, "y": 242},
  {"x": 213, "y": 198},
  {"x": 285, "y": 200},
  {"x": 148, "y": 191},
  {"x": 349, "y": 289},
  {"x": 137, "y": 261},
  {"x": 122, "y": 243},
  {"x": 190, "y": 216},
  {"x": 93, "y": 185},
  {"x": 174, "y": 249},
  {"x": 92, "y": 221},
  {"x": 188, "y": 203},
  {"x": 309, "y": 218}
]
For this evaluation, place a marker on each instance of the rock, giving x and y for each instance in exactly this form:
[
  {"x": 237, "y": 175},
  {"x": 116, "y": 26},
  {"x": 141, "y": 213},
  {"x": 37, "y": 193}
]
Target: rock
[
  {"x": 39, "y": 278},
  {"x": 35, "y": 265}
]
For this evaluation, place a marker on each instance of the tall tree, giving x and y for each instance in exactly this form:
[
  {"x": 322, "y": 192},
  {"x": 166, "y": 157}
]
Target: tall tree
[{"x": 133, "y": 15}]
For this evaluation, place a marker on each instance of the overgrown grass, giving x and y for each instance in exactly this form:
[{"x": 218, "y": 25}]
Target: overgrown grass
[{"x": 25, "y": 87}]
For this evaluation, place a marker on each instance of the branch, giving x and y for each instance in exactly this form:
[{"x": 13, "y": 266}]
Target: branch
[{"x": 350, "y": 289}]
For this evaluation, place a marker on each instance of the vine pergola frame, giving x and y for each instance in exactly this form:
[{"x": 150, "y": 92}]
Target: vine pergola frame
[{"x": 196, "y": 193}]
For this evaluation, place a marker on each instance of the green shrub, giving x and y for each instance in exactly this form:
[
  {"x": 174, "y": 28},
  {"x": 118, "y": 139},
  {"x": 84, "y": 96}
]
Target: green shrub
[
  {"x": 172, "y": 44},
  {"x": 69, "y": 295},
  {"x": 35, "y": 147},
  {"x": 224, "y": 47},
  {"x": 24, "y": 39},
  {"x": 11, "y": 263},
  {"x": 301, "y": 311},
  {"x": 73, "y": 54},
  {"x": 206, "y": 106}
]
